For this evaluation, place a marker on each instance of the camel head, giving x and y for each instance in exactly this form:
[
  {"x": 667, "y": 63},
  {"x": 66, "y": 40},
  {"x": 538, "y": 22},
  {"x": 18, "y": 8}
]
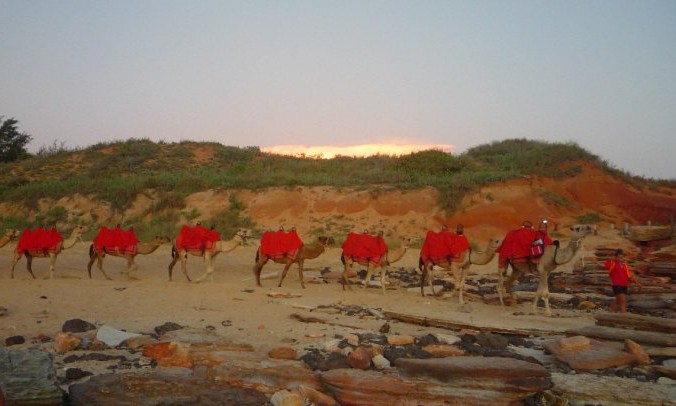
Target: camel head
[
  {"x": 580, "y": 230},
  {"x": 324, "y": 240},
  {"x": 243, "y": 234},
  {"x": 494, "y": 243},
  {"x": 160, "y": 240},
  {"x": 10, "y": 233}
]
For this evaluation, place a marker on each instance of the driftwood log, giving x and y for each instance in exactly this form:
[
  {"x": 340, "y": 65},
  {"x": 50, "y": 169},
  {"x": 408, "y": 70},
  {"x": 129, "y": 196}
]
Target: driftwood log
[
  {"x": 636, "y": 322},
  {"x": 454, "y": 325},
  {"x": 620, "y": 334}
]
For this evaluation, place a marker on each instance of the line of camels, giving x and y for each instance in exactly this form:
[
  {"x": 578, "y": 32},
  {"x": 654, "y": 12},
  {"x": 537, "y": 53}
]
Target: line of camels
[{"x": 553, "y": 256}]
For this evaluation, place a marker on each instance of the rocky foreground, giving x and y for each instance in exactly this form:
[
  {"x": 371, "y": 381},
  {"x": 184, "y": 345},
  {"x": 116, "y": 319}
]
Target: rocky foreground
[{"x": 86, "y": 364}]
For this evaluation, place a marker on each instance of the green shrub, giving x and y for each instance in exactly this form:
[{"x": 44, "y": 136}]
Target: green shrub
[{"x": 589, "y": 218}]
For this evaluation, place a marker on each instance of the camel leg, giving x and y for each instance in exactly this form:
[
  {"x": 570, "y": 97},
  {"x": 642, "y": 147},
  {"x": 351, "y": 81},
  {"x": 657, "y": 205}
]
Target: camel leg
[
  {"x": 170, "y": 268},
  {"x": 300, "y": 274},
  {"x": 29, "y": 265},
  {"x": 369, "y": 274},
  {"x": 287, "y": 265},
  {"x": 383, "y": 278},
  {"x": 460, "y": 282},
  {"x": 131, "y": 265},
  {"x": 99, "y": 264},
  {"x": 501, "y": 277},
  {"x": 92, "y": 258},
  {"x": 423, "y": 278},
  {"x": 346, "y": 271},
  {"x": 542, "y": 292},
  {"x": 209, "y": 259},
  {"x": 52, "y": 263},
  {"x": 258, "y": 268},
  {"x": 184, "y": 259},
  {"x": 14, "y": 262},
  {"x": 516, "y": 274}
]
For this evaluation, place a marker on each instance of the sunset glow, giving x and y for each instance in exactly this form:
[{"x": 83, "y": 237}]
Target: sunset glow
[{"x": 328, "y": 151}]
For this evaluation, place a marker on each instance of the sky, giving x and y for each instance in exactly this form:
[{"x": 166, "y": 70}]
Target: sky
[{"x": 320, "y": 75}]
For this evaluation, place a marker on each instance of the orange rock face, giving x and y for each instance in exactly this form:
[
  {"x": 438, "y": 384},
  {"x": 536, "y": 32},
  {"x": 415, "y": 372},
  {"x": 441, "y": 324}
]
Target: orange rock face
[{"x": 64, "y": 342}]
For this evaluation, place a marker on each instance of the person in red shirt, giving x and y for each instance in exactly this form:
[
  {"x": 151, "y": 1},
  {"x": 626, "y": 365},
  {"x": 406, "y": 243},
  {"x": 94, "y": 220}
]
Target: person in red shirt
[{"x": 620, "y": 277}]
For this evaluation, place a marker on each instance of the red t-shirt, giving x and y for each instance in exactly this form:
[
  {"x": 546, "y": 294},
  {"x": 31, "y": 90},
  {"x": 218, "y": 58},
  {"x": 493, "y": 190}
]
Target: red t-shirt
[{"x": 619, "y": 272}]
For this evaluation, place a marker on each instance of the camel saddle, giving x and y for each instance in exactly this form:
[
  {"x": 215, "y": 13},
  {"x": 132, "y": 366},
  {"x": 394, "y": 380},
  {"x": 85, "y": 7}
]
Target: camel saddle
[
  {"x": 115, "y": 240},
  {"x": 280, "y": 244},
  {"x": 38, "y": 241},
  {"x": 364, "y": 248},
  {"x": 443, "y": 246}
]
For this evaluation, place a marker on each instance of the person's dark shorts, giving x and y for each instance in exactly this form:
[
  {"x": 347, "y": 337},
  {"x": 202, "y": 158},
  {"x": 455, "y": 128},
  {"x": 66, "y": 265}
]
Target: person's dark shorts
[{"x": 617, "y": 290}]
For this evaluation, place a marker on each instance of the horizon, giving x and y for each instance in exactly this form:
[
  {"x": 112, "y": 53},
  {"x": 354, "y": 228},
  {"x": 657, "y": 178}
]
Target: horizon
[{"x": 344, "y": 74}]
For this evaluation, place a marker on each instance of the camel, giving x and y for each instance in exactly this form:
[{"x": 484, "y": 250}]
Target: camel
[
  {"x": 141, "y": 249},
  {"x": 467, "y": 259},
  {"x": 9, "y": 235},
  {"x": 552, "y": 257},
  {"x": 390, "y": 257},
  {"x": 309, "y": 251},
  {"x": 219, "y": 246},
  {"x": 63, "y": 245}
]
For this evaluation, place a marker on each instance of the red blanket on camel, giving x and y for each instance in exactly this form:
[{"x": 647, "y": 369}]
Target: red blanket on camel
[
  {"x": 115, "y": 240},
  {"x": 443, "y": 246},
  {"x": 364, "y": 248},
  {"x": 518, "y": 245},
  {"x": 196, "y": 238},
  {"x": 280, "y": 244},
  {"x": 38, "y": 240}
]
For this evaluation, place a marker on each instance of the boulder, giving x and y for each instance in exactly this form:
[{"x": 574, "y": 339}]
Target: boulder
[
  {"x": 64, "y": 342},
  {"x": 380, "y": 362},
  {"x": 166, "y": 327},
  {"x": 77, "y": 326},
  {"x": 28, "y": 377},
  {"x": 14, "y": 340},
  {"x": 360, "y": 358},
  {"x": 580, "y": 355},
  {"x": 443, "y": 350},
  {"x": 400, "y": 340},
  {"x": 642, "y": 357},
  {"x": 112, "y": 336}
]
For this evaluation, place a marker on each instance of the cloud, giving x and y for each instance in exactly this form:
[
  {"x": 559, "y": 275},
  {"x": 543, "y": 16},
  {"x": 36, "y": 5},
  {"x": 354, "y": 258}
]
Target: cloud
[{"x": 328, "y": 151}]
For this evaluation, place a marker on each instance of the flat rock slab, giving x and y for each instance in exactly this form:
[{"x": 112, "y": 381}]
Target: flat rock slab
[
  {"x": 456, "y": 381},
  {"x": 588, "y": 389},
  {"x": 510, "y": 371},
  {"x": 28, "y": 377},
  {"x": 591, "y": 354},
  {"x": 172, "y": 386}
]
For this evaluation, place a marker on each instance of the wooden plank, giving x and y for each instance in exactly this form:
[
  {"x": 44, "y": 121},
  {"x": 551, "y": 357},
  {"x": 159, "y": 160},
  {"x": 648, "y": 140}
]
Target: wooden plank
[
  {"x": 652, "y": 296},
  {"x": 667, "y": 352},
  {"x": 636, "y": 322},
  {"x": 620, "y": 334},
  {"x": 454, "y": 325}
]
